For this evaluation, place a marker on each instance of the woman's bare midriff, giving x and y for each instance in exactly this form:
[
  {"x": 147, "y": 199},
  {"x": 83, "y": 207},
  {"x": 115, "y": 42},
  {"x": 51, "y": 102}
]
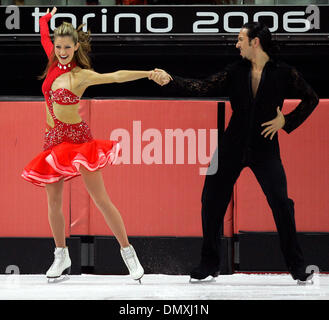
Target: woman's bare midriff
[{"x": 64, "y": 113}]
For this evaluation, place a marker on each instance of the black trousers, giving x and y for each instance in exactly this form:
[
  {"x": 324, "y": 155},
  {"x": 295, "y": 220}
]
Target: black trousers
[{"x": 217, "y": 193}]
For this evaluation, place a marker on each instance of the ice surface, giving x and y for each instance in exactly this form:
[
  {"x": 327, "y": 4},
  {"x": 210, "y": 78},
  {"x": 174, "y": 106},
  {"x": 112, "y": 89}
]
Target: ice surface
[{"x": 159, "y": 287}]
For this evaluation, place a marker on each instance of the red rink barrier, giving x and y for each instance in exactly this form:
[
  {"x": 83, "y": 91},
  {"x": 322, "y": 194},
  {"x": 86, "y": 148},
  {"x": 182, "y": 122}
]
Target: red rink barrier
[
  {"x": 23, "y": 205},
  {"x": 157, "y": 199},
  {"x": 305, "y": 157},
  {"x": 161, "y": 198}
]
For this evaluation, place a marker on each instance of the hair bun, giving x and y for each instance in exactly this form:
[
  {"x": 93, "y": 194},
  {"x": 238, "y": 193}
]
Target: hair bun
[{"x": 84, "y": 38}]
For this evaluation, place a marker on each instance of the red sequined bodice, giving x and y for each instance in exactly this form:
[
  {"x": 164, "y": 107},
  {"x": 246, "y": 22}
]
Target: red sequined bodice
[
  {"x": 64, "y": 96},
  {"x": 61, "y": 132}
]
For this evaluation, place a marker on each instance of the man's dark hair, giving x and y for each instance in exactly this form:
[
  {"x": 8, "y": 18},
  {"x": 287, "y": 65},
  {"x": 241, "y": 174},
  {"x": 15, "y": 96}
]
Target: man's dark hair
[{"x": 261, "y": 31}]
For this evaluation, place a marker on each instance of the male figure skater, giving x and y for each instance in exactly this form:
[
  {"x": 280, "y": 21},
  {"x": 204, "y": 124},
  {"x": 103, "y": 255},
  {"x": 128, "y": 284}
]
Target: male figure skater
[{"x": 257, "y": 86}]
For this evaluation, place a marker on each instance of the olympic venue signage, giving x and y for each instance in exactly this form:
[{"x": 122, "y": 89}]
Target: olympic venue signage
[{"x": 168, "y": 20}]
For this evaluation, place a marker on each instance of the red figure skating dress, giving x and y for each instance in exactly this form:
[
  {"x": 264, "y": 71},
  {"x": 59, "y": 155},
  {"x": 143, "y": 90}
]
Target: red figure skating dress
[{"x": 66, "y": 146}]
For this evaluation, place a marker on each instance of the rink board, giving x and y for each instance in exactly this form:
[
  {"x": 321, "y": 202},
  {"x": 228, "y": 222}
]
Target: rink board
[
  {"x": 101, "y": 255},
  {"x": 157, "y": 199}
]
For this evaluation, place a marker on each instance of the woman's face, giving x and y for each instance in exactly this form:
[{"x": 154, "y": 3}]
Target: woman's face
[{"x": 65, "y": 48}]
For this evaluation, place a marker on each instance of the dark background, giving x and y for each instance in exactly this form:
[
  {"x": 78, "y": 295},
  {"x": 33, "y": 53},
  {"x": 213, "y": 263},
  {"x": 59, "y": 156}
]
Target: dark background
[
  {"x": 22, "y": 61},
  {"x": 187, "y": 55}
]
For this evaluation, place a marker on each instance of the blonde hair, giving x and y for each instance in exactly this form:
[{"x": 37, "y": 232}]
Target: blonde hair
[{"x": 81, "y": 56}]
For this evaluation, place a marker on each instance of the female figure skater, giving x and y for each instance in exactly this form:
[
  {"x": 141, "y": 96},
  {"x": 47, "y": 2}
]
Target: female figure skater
[{"x": 69, "y": 148}]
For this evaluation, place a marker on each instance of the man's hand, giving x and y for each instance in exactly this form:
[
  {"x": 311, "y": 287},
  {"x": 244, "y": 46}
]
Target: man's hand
[
  {"x": 52, "y": 11},
  {"x": 160, "y": 76},
  {"x": 274, "y": 125}
]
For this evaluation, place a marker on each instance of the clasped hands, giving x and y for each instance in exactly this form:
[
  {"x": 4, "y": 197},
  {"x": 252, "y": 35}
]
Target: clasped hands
[{"x": 160, "y": 76}]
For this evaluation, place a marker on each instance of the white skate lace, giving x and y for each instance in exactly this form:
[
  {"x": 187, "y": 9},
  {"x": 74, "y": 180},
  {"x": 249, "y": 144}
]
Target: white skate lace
[
  {"x": 59, "y": 259},
  {"x": 130, "y": 259}
]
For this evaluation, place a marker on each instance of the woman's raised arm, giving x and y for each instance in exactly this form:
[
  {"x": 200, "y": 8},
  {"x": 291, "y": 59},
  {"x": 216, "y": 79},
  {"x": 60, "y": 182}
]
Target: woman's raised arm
[{"x": 44, "y": 32}]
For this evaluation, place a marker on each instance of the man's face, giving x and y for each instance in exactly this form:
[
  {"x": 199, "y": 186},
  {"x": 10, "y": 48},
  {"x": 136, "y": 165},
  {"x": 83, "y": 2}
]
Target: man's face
[{"x": 246, "y": 48}]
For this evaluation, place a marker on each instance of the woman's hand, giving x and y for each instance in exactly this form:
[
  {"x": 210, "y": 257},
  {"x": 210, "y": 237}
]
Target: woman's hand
[
  {"x": 52, "y": 11},
  {"x": 274, "y": 125},
  {"x": 160, "y": 76}
]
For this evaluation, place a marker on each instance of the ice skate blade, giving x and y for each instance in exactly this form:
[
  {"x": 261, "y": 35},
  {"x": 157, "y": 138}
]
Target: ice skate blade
[
  {"x": 63, "y": 277},
  {"x": 139, "y": 279},
  {"x": 209, "y": 279},
  {"x": 58, "y": 279}
]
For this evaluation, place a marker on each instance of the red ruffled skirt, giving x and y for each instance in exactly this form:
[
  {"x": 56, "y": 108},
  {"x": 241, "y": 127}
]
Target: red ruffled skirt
[{"x": 63, "y": 160}]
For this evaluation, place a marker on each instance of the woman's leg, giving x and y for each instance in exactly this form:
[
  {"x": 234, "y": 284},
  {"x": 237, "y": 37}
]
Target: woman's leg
[
  {"x": 97, "y": 191},
  {"x": 55, "y": 213}
]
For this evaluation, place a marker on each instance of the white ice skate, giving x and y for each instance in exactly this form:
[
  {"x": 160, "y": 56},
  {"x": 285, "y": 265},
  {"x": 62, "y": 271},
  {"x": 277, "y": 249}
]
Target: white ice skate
[
  {"x": 129, "y": 256},
  {"x": 61, "y": 266}
]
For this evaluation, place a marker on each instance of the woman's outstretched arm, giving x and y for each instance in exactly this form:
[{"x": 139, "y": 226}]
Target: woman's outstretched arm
[{"x": 90, "y": 77}]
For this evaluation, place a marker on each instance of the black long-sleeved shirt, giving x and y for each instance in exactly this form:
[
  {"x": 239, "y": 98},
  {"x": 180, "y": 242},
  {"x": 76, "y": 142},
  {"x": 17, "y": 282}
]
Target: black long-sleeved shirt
[{"x": 279, "y": 81}]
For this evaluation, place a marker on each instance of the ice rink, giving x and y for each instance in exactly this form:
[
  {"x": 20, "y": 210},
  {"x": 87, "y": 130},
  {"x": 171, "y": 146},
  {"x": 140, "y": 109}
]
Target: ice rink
[{"x": 163, "y": 287}]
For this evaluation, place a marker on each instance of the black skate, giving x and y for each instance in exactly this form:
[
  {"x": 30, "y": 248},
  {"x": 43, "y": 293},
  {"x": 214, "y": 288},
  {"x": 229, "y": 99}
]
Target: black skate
[
  {"x": 203, "y": 272},
  {"x": 303, "y": 278}
]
